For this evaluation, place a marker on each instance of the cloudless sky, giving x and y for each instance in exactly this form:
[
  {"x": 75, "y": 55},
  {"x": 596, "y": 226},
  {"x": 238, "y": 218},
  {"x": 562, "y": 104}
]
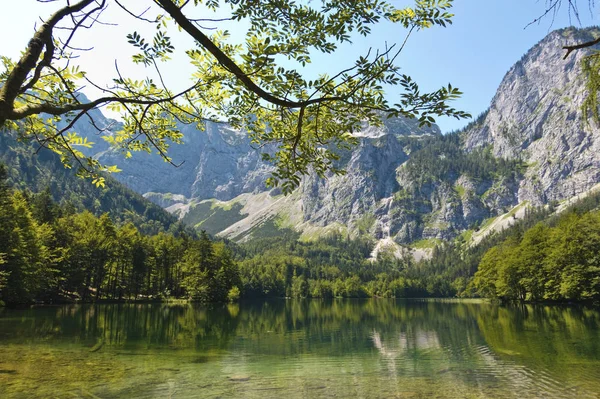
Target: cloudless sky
[{"x": 485, "y": 40}]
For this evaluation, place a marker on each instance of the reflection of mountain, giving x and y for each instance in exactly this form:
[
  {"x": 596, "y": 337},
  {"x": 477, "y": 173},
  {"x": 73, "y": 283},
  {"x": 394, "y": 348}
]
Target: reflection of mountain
[
  {"x": 417, "y": 341},
  {"x": 353, "y": 348}
]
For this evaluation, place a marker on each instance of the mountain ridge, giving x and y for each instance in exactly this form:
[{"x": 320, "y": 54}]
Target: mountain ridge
[
  {"x": 38, "y": 170},
  {"x": 405, "y": 186}
]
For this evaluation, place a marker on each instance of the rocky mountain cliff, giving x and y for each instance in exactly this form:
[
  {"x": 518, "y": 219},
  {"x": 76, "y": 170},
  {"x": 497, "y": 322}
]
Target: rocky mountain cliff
[
  {"x": 404, "y": 185},
  {"x": 536, "y": 116}
]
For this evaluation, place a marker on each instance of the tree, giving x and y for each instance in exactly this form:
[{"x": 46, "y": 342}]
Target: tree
[
  {"x": 227, "y": 275},
  {"x": 44, "y": 208},
  {"x": 299, "y": 287},
  {"x": 5, "y": 227},
  {"x": 5, "y": 212},
  {"x": 305, "y": 120},
  {"x": 167, "y": 250},
  {"x": 25, "y": 259},
  {"x": 3, "y": 277},
  {"x": 533, "y": 253},
  {"x": 198, "y": 265}
]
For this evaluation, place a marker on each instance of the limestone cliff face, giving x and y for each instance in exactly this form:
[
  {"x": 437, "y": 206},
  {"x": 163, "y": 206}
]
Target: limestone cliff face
[
  {"x": 370, "y": 178},
  {"x": 536, "y": 116},
  {"x": 217, "y": 162},
  {"x": 532, "y": 146}
]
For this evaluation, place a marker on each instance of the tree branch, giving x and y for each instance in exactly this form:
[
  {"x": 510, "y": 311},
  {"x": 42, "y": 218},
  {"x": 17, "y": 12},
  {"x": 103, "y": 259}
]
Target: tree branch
[
  {"x": 29, "y": 60},
  {"x": 28, "y": 110},
  {"x": 46, "y": 61},
  {"x": 229, "y": 64},
  {"x": 298, "y": 133},
  {"x": 570, "y": 49}
]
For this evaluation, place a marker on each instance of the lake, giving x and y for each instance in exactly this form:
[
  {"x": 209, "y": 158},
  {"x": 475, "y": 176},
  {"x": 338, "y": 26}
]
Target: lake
[{"x": 301, "y": 349}]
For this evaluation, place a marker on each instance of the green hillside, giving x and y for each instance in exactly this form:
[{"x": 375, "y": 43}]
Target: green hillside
[{"x": 32, "y": 170}]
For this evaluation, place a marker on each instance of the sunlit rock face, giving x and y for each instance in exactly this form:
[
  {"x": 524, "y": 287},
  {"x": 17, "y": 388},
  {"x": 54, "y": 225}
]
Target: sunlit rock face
[
  {"x": 217, "y": 162},
  {"x": 535, "y": 118}
]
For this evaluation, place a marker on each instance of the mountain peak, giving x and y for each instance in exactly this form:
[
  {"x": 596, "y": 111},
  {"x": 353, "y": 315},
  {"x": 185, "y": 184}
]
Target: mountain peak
[{"x": 403, "y": 183}]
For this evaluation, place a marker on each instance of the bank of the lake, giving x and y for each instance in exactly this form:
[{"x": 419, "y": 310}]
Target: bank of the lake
[
  {"x": 50, "y": 254},
  {"x": 313, "y": 348}
]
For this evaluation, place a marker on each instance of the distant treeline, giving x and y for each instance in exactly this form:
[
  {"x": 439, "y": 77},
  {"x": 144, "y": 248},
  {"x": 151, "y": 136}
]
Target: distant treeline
[
  {"x": 333, "y": 266},
  {"x": 51, "y": 253},
  {"x": 544, "y": 256},
  {"x": 502, "y": 266},
  {"x": 442, "y": 158}
]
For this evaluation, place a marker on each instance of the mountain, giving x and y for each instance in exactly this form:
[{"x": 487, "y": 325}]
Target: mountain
[
  {"x": 37, "y": 171},
  {"x": 536, "y": 116},
  {"x": 217, "y": 162},
  {"x": 406, "y": 187},
  {"x": 220, "y": 187},
  {"x": 384, "y": 194}
]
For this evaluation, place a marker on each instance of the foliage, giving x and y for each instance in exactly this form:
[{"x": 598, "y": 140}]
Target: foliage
[
  {"x": 337, "y": 266},
  {"x": 234, "y": 294},
  {"x": 48, "y": 253},
  {"x": 442, "y": 158},
  {"x": 455, "y": 263},
  {"x": 333, "y": 266},
  {"x": 308, "y": 119},
  {"x": 44, "y": 173},
  {"x": 590, "y": 66},
  {"x": 547, "y": 263}
]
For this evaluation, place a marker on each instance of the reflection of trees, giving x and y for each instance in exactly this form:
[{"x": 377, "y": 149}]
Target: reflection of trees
[
  {"x": 291, "y": 326},
  {"x": 128, "y": 326},
  {"x": 546, "y": 334},
  {"x": 336, "y": 327},
  {"x": 471, "y": 344},
  {"x": 327, "y": 327},
  {"x": 529, "y": 351},
  {"x": 540, "y": 348}
]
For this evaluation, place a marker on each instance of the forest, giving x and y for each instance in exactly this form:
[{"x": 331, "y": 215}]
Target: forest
[
  {"x": 546, "y": 256},
  {"x": 27, "y": 168},
  {"x": 553, "y": 262},
  {"x": 442, "y": 158},
  {"x": 52, "y": 252}
]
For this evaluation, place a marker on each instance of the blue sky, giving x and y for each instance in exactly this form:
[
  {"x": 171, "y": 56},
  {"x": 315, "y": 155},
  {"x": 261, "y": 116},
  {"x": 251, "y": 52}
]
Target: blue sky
[{"x": 486, "y": 39}]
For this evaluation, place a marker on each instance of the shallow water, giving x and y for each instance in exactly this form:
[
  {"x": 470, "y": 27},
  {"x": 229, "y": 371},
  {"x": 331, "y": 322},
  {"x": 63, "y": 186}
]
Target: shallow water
[{"x": 301, "y": 349}]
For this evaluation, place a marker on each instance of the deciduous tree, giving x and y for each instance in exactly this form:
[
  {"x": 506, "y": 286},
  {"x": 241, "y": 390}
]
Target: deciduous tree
[{"x": 257, "y": 86}]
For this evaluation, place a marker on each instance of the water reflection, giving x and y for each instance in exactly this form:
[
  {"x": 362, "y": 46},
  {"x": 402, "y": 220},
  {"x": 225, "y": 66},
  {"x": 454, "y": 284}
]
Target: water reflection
[{"x": 364, "y": 348}]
